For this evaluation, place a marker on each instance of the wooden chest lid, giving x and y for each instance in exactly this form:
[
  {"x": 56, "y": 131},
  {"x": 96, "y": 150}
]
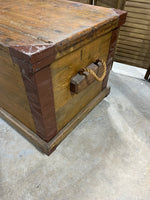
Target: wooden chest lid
[{"x": 47, "y": 23}]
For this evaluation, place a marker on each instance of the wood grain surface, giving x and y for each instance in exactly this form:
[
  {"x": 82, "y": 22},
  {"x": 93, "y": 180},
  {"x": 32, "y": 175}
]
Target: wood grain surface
[
  {"x": 13, "y": 96},
  {"x": 67, "y": 104},
  {"x": 52, "y": 21}
]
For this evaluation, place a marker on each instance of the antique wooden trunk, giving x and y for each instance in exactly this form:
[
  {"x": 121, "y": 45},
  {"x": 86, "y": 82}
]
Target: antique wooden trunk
[{"x": 44, "y": 47}]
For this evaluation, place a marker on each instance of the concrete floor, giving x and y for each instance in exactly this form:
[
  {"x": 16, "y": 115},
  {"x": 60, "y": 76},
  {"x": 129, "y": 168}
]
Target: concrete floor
[{"x": 107, "y": 156}]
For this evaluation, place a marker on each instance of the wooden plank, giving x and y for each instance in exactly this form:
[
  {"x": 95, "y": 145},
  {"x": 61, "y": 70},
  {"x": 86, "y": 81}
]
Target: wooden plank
[
  {"x": 134, "y": 35},
  {"x": 131, "y": 61},
  {"x": 51, "y": 146},
  {"x": 134, "y": 30},
  {"x": 11, "y": 37},
  {"x": 139, "y": 15},
  {"x": 138, "y": 26},
  {"x": 137, "y": 40},
  {"x": 13, "y": 96},
  {"x": 132, "y": 48},
  {"x": 138, "y": 4},
  {"x": 137, "y": 53},
  {"x": 138, "y": 10},
  {"x": 137, "y": 21},
  {"x": 135, "y": 57},
  {"x": 54, "y": 28},
  {"x": 134, "y": 44}
]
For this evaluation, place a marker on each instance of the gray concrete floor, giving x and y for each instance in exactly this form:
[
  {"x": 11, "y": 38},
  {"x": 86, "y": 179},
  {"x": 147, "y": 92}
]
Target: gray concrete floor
[{"x": 107, "y": 156}]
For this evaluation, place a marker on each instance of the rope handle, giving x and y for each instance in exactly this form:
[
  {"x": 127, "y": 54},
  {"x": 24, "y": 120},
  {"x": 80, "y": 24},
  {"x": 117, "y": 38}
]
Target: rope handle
[{"x": 90, "y": 71}]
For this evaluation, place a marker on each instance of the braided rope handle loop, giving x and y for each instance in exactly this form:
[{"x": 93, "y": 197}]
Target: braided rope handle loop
[{"x": 94, "y": 74}]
